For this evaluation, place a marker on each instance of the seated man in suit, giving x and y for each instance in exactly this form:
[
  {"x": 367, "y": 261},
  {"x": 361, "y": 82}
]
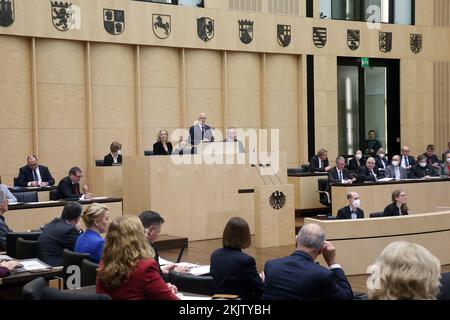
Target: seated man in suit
[
  {"x": 422, "y": 170},
  {"x": 61, "y": 233},
  {"x": 432, "y": 159},
  {"x": 34, "y": 174},
  {"x": 298, "y": 277},
  {"x": 394, "y": 170},
  {"x": 352, "y": 211},
  {"x": 9, "y": 196},
  {"x": 407, "y": 160},
  {"x": 4, "y": 229},
  {"x": 69, "y": 187},
  {"x": 319, "y": 163},
  {"x": 381, "y": 161},
  {"x": 115, "y": 157},
  {"x": 369, "y": 172},
  {"x": 232, "y": 137},
  {"x": 200, "y": 132},
  {"x": 339, "y": 174}
]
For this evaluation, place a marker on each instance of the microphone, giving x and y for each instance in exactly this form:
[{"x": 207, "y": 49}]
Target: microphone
[
  {"x": 261, "y": 165},
  {"x": 259, "y": 173},
  {"x": 274, "y": 173}
]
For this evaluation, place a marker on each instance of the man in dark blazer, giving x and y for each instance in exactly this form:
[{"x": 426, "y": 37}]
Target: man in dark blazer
[
  {"x": 60, "y": 234},
  {"x": 339, "y": 174},
  {"x": 394, "y": 170},
  {"x": 69, "y": 187},
  {"x": 407, "y": 161},
  {"x": 34, "y": 174},
  {"x": 422, "y": 169},
  {"x": 432, "y": 159},
  {"x": 115, "y": 157},
  {"x": 352, "y": 211},
  {"x": 298, "y": 277},
  {"x": 319, "y": 163},
  {"x": 369, "y": 172},
  {"x": 200, "y": 132},
  {"x": 4, "y": 229}
]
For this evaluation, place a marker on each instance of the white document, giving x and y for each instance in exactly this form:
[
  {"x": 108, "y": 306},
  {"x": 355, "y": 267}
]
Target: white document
[
  {"x": 34, "y": 264},
  {"x": 163, "y": 262},
  {"x": 199, "y": 270},
  {"x": 385, "y": 179},
  {"x": 188, "y": 296},
  {"x": 95, "y": 198}
]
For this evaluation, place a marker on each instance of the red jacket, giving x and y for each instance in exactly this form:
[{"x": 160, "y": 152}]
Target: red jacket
[{"x": 144, "y": 283}]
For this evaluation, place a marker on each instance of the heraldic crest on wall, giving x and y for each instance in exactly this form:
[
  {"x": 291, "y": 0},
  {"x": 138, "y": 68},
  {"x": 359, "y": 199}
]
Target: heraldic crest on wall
[
  {"x": 415, "y": 42},
  {"x": 114, "y": 21},
  {"x": 320, "y": 37},
  {"x": 385, "y": 41},
  {"x": 6, "y": 13},
  {"x": 277, "y": 200},
  {"x": 205, "y": 28},
  {"x": 62, "y": 15},
  {"x": 246, "y": 31},
  {"x": 284, "y": 34},
  {"x": 162, "y": 25},
  {"x": 353, "y": 39}
]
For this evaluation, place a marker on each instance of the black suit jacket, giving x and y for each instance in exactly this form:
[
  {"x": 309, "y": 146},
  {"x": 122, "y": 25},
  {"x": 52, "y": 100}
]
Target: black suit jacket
[
  {"x": 417, "y": 172},
  {"x": 195, "y": 134},
  {"x": 392, "y": 211},
  {"x": 333, "y": 176},
  {"x": 411, "y": 160},
  {"x": 108, "y": 160},
  {"x": 314, "y": 164},
  {"x": 158, "y": 149},
  {"x": 26, "y": 175},
  {"x": 432, "y": 159},
  {"x": 234, "y": 272},
  {"x": 364, "y": 174},
  {"x": 4, "y": 229},
  {"x": 56, "y": 236},
  {"x": 345, "y": 213},
  {"x": 379, "y": 163},
  {"x": 298, "y": 277},
  {"x": 66, "y": 189},
  {"x": 355, "y": 164},
  {"x": 371, "y": 147}
]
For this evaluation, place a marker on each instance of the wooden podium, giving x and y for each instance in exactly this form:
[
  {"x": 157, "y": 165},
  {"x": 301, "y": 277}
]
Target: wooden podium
[{"x": 274, "y": 215}]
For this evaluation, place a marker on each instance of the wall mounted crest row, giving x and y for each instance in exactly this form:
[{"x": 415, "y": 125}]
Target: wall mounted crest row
[{"x": 63, "y": 17}]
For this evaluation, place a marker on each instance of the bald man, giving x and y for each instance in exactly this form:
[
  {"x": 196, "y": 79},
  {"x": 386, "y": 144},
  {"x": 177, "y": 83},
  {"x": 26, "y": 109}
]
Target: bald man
[
  {"x": 298, "y": 277},
  {"x": 352, "y": 211},
  {"x": 200, "y": 132},
  {"x": 34, "y": 174}
]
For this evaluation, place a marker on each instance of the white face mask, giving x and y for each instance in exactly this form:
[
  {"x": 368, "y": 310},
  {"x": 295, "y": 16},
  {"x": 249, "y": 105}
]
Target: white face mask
[
  {"x": 448, "y": 160},
  {"x": 357, "y": 203},
  {"x": 359, "y": 156},
  {"x": 423, "y": 164},
  {"x": 395, "y": 163},
  {"x": 119, "y": 152},
  {"x": 381, "y": 155}
]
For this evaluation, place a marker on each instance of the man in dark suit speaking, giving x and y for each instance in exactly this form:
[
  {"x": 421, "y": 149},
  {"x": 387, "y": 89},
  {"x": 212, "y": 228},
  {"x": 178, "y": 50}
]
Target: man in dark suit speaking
[
  {"x": 352, "y": 211},
  {"x": 200, "y": 132},
  {"x": 298, "y": 277},
  {"x": 34, "y": 174},
  {"x": 69, "y": 187}
]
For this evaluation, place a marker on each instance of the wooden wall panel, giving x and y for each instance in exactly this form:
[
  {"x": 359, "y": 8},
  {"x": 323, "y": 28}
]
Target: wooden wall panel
[{"x": 441, "y": 98}]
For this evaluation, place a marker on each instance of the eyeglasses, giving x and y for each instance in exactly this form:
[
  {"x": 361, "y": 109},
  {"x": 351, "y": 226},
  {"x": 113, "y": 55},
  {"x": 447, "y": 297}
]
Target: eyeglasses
[{"x": 80, "y": 176}]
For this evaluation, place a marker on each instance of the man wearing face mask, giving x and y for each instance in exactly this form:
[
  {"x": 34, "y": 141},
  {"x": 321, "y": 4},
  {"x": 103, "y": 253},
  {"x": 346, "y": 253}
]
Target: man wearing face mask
[
  {"x": 352, "y": 211},
  {"x": 395, "y": 170},
  {"x": 445, "y": 167},
  {"x": 115, "y": 157},
  {"x": 422, "y": 170}
]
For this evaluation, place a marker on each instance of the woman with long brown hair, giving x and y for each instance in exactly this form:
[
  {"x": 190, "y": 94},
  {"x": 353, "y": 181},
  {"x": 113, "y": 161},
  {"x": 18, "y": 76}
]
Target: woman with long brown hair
[{"x": 128, "y": 270}]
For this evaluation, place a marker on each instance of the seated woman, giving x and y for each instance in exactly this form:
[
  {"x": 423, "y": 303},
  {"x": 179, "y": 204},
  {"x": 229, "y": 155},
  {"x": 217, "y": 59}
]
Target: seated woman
[
  {"x": 404, "y": 271},
  {"x": 234, "y": 271},
  {"x": 96, "y": 219},
  {"x": 6, "y": 267},
  {"x": 115, "y": 157},
  {"x": 128, "y": 270},
  {"x": 162, "y": 147},
  {"x": 398, "y": 206},
  {"x": 356, "y": 162},
  {"x": 381, "y": 161},
  {"x": 445, "y": 166}
]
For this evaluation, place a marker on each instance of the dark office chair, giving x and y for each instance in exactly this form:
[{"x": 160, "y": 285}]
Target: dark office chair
[
  {"x": 444, "y": 290},
  {"x": 16, "y": 181},
  {"x": 376, "y": 214},
  {"x": 88, "y": 273},
  {"x": 54, "y": 195},
  {"x": 295, "y": 171},
  {"x": 26, "y": 249},
  {"x": 33, "y": 289},
  {"x": 99, "y": 163},
  {"x": 11, "y": 241},
  {"x": 186, "y": 282},
  {"x": 71, "y": 258},
  {"x": 148, "y": 153},
  {"x": 324, "y": 195},
  {"x": 31, "y": 196},
  {"x": 185, "y": 245}
]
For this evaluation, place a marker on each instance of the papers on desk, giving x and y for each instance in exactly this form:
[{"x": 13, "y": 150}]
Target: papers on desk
[
  {"x": 95, "y": 198},
  {"x": 43, "y": 202},
  {"x": 385, "y": 179},
  {"x": 200, "y": 270},
  {"x": 30, "y": 265},
  {"x": 193, "y": 269},
  {"x": 163, "y": 262},
  {"x": 190, "y": 296},
  {"x": 4, "y": 257}
]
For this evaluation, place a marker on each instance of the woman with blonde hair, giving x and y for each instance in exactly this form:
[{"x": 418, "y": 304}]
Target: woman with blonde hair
[
  {"x": 96, "y": 220},
  {"x": 404, "y": 271},
  {"x": 163, "y": 147},
  {"x": 128, "y": 270}
]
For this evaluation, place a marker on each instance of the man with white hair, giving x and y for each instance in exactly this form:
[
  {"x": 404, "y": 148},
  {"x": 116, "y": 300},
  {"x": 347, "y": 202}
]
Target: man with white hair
[
  {"x": 200, "y": 132},
  {"x": 298, "y": 277}
]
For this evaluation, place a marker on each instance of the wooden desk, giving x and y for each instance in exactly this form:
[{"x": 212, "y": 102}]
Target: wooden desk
[
  {"x": 106, "y": 181},
  {"x": 359, "y": 242},
  {"x": 43, "y": 192},
  {"x": 423, "y": 195},
  {"x": 30, "y": 216},
  {"x": 306, "y": 191}
]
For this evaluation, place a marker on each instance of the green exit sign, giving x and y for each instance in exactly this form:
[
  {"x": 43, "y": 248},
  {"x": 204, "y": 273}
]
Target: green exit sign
[{"x": 365, "y": 63}]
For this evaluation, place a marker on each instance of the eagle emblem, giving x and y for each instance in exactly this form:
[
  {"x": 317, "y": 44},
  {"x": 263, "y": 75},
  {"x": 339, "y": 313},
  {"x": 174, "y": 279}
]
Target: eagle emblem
[{"x": 277, "y": 200}]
